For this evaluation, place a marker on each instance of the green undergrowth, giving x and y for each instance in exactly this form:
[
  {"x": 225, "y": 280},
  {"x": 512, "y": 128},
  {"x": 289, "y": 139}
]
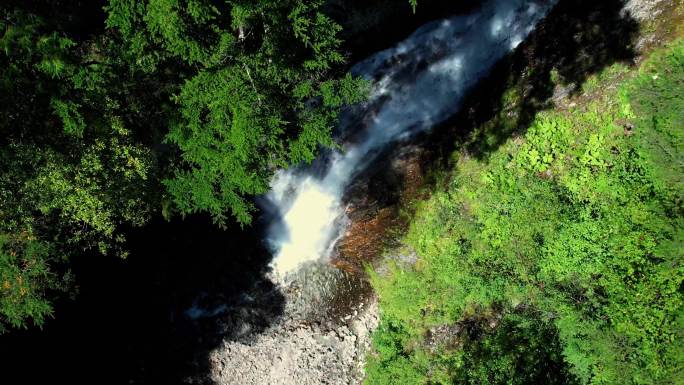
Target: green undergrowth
[{"x": 557, "y": 258}]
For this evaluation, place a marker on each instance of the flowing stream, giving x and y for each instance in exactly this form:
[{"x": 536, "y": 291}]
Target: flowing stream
[{"x": 415, "y": 85}]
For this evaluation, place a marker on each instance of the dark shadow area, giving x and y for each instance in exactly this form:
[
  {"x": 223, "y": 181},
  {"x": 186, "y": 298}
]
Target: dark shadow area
[
  {"x": 79, "y": 19},
  {"x": 373, "y": 25},
  {"x": 130, "y": 321},
  {"x": 538, "y": 364},
  {"x": 578, "y": 38}
]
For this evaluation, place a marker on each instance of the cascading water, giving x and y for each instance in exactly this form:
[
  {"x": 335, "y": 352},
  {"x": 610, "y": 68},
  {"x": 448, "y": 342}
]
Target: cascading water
[{"x": 416, "y": 84}]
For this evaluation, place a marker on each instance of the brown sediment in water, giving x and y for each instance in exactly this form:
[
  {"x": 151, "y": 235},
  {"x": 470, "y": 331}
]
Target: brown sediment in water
[
  {"x": 364, "y": 239},
  {"x": 373, "y": 223}
]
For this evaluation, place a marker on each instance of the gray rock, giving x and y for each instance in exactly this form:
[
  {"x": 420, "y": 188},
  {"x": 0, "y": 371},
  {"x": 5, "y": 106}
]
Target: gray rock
[{"x": 317, "y": 341}]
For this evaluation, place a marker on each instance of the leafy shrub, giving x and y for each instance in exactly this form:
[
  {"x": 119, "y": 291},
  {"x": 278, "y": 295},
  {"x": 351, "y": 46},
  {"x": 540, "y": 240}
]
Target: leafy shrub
[{"x": 560, "y": 251}]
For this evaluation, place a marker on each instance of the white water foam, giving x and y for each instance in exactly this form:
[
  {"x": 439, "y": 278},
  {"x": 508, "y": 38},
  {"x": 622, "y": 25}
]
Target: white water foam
[{"x": 416, "y": 84}]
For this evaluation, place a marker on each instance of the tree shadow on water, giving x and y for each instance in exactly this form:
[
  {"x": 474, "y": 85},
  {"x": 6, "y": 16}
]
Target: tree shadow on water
[
  {"x": 578, "y": 38},
  {"x": 154, "y": 318}
]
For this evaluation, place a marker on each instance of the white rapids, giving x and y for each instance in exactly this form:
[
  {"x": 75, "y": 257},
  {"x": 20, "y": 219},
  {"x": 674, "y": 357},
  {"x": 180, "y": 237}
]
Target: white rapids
[{"x": 415, "y": 85}]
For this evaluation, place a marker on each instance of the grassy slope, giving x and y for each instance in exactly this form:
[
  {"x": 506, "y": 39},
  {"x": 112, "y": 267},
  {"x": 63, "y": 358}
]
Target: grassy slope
[{"x": 558, "y": 258}]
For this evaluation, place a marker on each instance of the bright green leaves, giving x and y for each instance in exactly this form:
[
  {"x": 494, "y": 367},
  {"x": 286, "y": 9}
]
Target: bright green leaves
[
  {"x": 127, "y": 18},
  {"x": 392, "y": 364},
  {"x": 258, "y": 94},
  {"x": 221, "y": 134},
  {"x": 547, "y": 140},
  {"x": 240, "y": 15},
  {"x": 167, "y": 24},
  {"x": 52, "y": 49},
  {"x": 317, "y": 32},
  {"x": 24, "y": 277},
  {"x": 571, "y": 234},
  {"x": 594, "y": 153},
  {"x": 25, "y": 43},
  {"x": 92, "y": 194},
  {"x": 71, "y": 119},
  {"x": 201, "y": 11},
  {"x": 656, "y": 99},
  {"x": 317, "y": 121},
  {"x": 261, "y": 97},
  {"x": 155, "y": 30},
  {"x": 231, "y": 140},
  {"x": 414, "y": 5},
  {"x": 124, "y": 15}
]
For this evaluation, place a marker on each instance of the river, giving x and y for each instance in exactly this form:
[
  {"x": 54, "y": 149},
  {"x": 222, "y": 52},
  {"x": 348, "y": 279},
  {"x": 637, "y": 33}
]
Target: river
[{"x": 416, "y": 84}]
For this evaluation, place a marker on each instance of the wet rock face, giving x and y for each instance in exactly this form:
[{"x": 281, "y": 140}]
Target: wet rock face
[
  {"x": 324, "y": 295},
  {"x": 374, "y": 201}
]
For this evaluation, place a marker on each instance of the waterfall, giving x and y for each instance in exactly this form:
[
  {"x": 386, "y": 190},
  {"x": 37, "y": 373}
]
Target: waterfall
[{"x": 415, "y": 85}]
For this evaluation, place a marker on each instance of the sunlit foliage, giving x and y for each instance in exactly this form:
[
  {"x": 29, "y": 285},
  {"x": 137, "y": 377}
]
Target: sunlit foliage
[
  {"x": 167, "y": 106},
  {"x": 558, "y": 258},
  {"x": 261, "y": 96}
]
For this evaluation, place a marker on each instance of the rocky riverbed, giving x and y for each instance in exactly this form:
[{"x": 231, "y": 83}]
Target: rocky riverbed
[{"x": 321, "y": 338}]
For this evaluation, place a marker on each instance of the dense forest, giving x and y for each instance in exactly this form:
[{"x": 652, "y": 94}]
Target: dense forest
[
  {"x": 548, "y": 250},
  {"x": 176, "y": 107}
]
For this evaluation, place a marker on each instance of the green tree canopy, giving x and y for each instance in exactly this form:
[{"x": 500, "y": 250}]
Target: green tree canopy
[
  {"x": 257, "y": 92},
  {"x": 179, "y": 106}
]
